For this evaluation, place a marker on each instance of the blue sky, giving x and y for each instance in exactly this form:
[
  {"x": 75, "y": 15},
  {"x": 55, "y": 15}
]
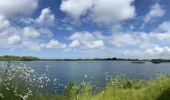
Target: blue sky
[{"x": 85, "y": 28}]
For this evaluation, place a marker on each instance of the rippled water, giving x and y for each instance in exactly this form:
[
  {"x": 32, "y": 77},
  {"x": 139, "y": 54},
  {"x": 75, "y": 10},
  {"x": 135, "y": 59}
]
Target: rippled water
[{"x": 97, "y": 72}]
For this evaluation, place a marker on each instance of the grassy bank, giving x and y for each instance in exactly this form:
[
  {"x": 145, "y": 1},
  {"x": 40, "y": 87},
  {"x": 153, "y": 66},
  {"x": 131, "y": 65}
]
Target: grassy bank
[
  {"x": 121, "y": 89},
  {"x": 23, "y": 83}
]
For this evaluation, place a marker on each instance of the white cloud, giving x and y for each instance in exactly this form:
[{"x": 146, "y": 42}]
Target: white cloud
[
  {"x": 4, "y": 23},
  {"x": 148, "y": 43},
  {"x": 74, "y": 44},
  {"x": 55, "y": 44},
  {"x": 33, "y": 46},
  {"x": 149, "y": 53},
  {"x": 45, "y": 31},
  {"x": 122, "y": 39},
  {"x": 14, "y": 7},
  {"x": 99, "y": 11},
  {"x": 44, "y": 21},
  {"x": 33, "y": 35},
  {"x": 76, "y": 8},
  {"x": 13, "y": 40},
  {"x": 46, "y": 17},
  {"x": 36, "y": 37},
  {"x": 38, "y": 46},
  {"x": 95, "y": 44},
  {"x": 9, "y": 37},
  {"x": 156, "y": 11},
  {"x": 163, "y": 37},
  {"x": 165, "y": 27},
  {"x": 111, "y": 11},
  {"x": 90, "y": 40},
  {"x": 158, "y": 51},
  {"x": 82, "y": 36},
  {"x": 152, "y": 45},
  {"x": 25, "y": 37},
  {"x": 30, "y": 32}
]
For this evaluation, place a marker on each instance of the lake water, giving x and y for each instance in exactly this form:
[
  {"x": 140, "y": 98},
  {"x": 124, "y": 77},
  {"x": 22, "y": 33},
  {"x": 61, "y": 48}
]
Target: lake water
[{"x": 97, "y": 72}]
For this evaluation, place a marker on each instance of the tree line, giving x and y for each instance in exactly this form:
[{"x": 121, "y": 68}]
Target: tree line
[{"x": 17, "y": 58}]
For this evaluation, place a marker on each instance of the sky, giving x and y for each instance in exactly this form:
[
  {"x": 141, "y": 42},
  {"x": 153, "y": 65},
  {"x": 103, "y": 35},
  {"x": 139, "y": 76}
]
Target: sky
[{"x": 85, "y": 28}]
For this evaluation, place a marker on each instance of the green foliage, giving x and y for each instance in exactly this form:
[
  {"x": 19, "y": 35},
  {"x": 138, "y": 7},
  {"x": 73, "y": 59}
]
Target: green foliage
[
  {"x": 158, "y": 61},
  {"x": 72, "y": 91},
  {"x": 17, "y": 58}
]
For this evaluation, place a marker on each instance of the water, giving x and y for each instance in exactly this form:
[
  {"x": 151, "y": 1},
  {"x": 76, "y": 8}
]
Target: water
[{"x": 96, "y": 72}]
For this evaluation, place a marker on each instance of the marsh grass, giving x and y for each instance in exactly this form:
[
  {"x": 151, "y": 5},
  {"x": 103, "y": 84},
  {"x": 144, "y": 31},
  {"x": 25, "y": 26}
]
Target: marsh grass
[{"x": 23, "y": 83}]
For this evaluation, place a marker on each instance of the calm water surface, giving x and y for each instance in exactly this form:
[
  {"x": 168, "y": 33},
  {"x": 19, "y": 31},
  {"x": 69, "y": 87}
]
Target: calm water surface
[{"x": 97, "y": 72}]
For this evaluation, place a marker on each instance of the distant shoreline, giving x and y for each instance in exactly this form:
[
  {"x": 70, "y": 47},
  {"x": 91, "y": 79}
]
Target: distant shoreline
[{"x": 30, "y": 58}]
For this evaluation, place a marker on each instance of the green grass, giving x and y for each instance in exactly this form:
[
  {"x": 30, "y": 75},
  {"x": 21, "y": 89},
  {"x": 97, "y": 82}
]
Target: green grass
[
  {"x": 158, "y": 89},
  {"x": 21, "y": 83}
]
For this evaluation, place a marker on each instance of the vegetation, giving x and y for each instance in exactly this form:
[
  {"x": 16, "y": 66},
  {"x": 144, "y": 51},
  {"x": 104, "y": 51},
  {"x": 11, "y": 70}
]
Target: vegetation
[
  {"x": 17, "y": 58},
  {"x": 158, "y": 61},
  {"x": 30, "y": 58},
  {"x": 23, "y": 83}
]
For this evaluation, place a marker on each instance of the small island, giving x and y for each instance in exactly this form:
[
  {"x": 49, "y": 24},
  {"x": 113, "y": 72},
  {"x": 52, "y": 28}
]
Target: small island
[{"x": 138, "y": 62}]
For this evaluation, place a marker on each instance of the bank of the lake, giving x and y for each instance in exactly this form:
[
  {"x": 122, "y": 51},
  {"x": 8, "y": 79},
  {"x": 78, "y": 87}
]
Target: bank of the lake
[
  {"x": 117, "y": 89},
  {"x": 84, "y": 80}
]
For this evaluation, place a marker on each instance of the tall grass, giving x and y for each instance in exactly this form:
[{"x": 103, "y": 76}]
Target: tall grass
[{"x": 23, "y": 83}]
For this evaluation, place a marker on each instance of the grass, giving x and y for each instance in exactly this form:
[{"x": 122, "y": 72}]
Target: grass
[{"x": 22, "y": 83}]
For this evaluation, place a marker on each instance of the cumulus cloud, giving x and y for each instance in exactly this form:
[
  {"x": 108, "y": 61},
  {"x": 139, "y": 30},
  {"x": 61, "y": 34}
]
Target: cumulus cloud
[
  {"x": 55, "y": 44},
  {"x": 46, "y": 17},
  {"x": 165, "y": 27},
  {"x": 13, "y": 40},
  {"x": 14, "y": 7},
  {"x": 13, "y": 36},
  {"x": 149, "y": 53},
  {"x": 162, "y": 37},
  {"x": 152, "y": 45},
  {"x": 33, "y": 33},
  {"x": 4, "y": 23},
  {"x": 82, "y": 36},
  {"x": 74, "y": 44},
  {"x": 76, "y": 8},
  {"x": 34, "y": 46},
  {"x": 111, "y": 11},
  {"x": 38, "y": 46},
  {"x": 156, "y": 11},
  {"x": 99, "y": 11},
  {"x": 145, "y": 42},
  {"x": 141, "y": 40},
  {"x": 90, "y": 40},
  {"x": 29, "y": 32},
  {"x": 158, "y": 50},
  {"x": 122, "y": 39},
  {"x": 95, "y": 44},
  {"x": 46, "y": 32}
]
